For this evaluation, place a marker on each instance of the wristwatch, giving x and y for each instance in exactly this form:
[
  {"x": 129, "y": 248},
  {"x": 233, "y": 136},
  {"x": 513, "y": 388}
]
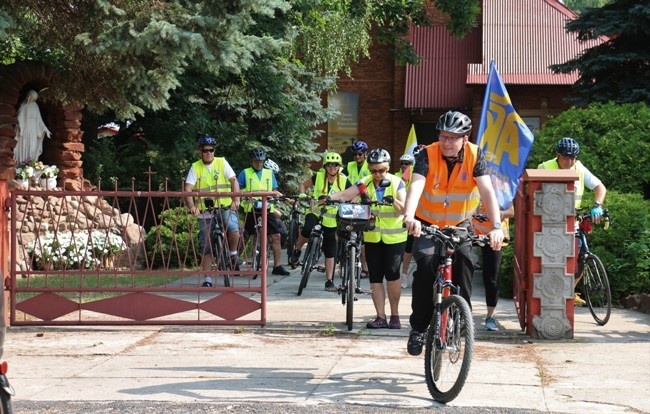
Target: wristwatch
[{"x": 496, "y": 226}]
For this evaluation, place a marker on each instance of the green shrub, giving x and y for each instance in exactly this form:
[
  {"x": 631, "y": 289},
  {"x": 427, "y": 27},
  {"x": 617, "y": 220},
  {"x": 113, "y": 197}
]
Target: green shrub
[
  {"x": 168, "y": 244},
  {"x": 613, "y": 143},
  {"x": 624, "y": 248}
]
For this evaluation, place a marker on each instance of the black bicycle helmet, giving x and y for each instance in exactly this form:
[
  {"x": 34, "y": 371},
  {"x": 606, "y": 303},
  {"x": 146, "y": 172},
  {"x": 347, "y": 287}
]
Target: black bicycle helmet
[
  {"x": 258, "y": 154},
  {"x": 568, "y": 147},
  {"x": 359, "y": 146},
  {"x": 378, "y": 155},
  {"x": 206, "y": 140},
  {"x": 454, "y": 122}
]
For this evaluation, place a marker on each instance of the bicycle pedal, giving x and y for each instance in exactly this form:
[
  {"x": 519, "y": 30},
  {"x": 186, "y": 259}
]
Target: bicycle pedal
[{"x": 320, "y": 268}]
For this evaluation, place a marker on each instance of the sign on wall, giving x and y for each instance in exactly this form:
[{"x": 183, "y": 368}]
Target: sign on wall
[{"x": 343, "y": 130}]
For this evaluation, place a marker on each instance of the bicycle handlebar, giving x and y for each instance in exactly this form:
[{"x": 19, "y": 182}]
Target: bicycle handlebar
[
  {"x": 453, "y": 236},
  {"x": 585, "y": 214}
]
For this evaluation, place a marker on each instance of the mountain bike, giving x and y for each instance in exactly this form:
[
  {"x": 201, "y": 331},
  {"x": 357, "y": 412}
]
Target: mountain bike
[
  {"x": 449, "y": 338},
  {"x": 295, "y": 224},
  {"x": 312, "y": 251},
  {"x": 220, "y": 250},
  {"x": 260, "y": 243},
  {"x": 590, "y": 268},
  {"x": 352, "y": 220}
]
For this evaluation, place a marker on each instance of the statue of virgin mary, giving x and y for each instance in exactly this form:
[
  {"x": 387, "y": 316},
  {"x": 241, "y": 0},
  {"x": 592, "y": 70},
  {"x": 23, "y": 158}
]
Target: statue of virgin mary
[{"x": 30, "y": 130}]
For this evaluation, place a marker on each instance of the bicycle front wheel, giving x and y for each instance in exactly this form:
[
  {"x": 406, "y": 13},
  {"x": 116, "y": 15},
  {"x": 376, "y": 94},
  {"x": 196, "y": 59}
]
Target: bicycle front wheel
[
  {"x": 351, "y": 270},
  {"x": 307, "y": 264},
  {"x": 597, "y": 290},
  {"x": 448, "y": 356}
]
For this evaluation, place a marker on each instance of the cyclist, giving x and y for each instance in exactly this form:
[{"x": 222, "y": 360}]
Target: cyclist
[
  {"x": 325, "y": 183},
  {"x": 213, "y": 174},
  {"x": 258, "y": 178},
  {"x": 448, "y": 180},
  {"x": 406, "y": 162},
  {"x": 491, "y": 262},
  {"x": 567, "y": 153},
  {"x": 385, "y": 244},
  {"x": 355, "y": 170}
]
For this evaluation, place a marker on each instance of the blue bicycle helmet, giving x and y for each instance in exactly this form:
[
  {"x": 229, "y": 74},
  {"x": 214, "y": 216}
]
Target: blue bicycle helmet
[
  {"x": 359, "y": 146},
  {"x": 206, "y": 140},
  {"x": 568, "y": 147}
]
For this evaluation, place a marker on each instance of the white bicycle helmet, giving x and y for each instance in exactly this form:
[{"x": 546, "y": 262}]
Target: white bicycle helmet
[
  {"x": 272, "y": 165},
  {"x": 407, "y": 158}
]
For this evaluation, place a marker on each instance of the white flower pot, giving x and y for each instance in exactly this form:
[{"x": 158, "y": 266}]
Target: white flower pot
[
  {"x": 22, "y": 183},
  {"x": 48, "y": 183}
]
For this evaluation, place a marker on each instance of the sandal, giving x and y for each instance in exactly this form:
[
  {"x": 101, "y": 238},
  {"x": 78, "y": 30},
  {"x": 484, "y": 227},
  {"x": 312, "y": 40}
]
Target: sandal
[{"x": 364, "y": 274}]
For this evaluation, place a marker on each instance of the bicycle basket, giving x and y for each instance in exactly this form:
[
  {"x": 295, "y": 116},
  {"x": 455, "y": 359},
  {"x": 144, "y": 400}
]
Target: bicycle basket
[{"x": 353, "y": 217}]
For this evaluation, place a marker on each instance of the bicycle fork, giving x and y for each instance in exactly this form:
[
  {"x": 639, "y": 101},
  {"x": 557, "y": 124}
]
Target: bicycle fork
[{"x": 444, "y": 288}]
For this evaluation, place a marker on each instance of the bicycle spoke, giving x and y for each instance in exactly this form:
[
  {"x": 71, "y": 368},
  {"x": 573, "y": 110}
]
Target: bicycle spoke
[{"x": 597, "y": 290}]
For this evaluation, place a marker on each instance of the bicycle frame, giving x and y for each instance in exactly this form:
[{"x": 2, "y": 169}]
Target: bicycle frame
[{"x": 444, "y": 288}]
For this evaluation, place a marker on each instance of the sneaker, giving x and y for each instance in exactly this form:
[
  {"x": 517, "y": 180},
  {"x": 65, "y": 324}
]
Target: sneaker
[
  {"x": 577, "y": 300},
  {"x": 394, "y": 322},
  {"x": 206, "y": 284},
  {"x": 405, "y": 280},
  {"x": 414, "y": 346},
  {"x": 281, "y": 271},
  {"x": 295, "y": 258},
  {"x": 378, "y": 323},
  {"x": 490, "y": 324},
  {"x": 329, "y": 285}
]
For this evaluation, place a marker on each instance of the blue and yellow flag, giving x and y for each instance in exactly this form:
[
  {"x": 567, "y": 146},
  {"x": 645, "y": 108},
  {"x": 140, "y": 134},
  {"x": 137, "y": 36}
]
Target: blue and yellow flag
[{"x": 504, "y": 138}]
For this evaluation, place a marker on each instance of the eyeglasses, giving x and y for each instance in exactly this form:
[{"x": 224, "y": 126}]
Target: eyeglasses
[
  {"x": 381, "y": 171},
  {"x": 443, "y": 138},
  {"x": 331, "y": 164},
  {"x": 359, "y": 154},
  {"x": 405, "y": 163},
  {"x": 205, "y": 151}
]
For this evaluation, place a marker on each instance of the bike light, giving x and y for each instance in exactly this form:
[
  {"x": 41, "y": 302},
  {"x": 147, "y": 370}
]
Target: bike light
[{"x": 4, "y": 367}]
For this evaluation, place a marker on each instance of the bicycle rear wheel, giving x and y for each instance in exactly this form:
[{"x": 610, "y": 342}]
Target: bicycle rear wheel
[
  {"x": 447, "y": 364},
  {"x": 597, "y": 290},
  {"x": 307, "y": 264},
  {"x": 223, "y": 256},
  {"x": 292, "y": 239}
]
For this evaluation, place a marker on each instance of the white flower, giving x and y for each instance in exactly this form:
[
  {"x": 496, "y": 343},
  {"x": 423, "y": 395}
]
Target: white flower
[
  {"x": 50, "y": 171},
  {"x": 25, "y": 172}
]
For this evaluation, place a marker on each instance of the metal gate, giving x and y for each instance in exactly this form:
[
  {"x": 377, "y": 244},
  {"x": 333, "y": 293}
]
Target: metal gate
[{"x": 120, "y": 258}]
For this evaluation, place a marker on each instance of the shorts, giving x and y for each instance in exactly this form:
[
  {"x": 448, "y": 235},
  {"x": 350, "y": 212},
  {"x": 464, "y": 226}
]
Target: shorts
[{"x": 273, "y": 224}]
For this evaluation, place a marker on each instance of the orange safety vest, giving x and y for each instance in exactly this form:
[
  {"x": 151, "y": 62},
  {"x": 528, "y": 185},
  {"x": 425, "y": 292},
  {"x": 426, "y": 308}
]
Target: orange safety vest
[{"x": 447, "y": 200}]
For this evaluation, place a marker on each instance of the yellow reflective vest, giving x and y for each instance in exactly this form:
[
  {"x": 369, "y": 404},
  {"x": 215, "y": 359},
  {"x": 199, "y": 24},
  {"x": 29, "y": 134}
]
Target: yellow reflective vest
[
  {"x": 579, "y": 184},
  {"x": 320, "y": 189},
  {"x": 388, "y": 222},
  {"x": 255, "y": 183},
  {"x": 212, "y": 181}
]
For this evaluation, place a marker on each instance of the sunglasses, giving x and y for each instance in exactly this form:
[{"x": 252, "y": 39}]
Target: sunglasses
[
  {"x": 205, "y": 151},
  {"x": 381, "y": 171},
  {"x": 405, "y": 163},
  {"x": 360, "y": 154},
  {"x": 331, "y": 164}
]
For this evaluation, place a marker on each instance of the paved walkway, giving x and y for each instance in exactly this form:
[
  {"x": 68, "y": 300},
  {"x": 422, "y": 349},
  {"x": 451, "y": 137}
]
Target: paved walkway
[{"x": 306, "y": 357}]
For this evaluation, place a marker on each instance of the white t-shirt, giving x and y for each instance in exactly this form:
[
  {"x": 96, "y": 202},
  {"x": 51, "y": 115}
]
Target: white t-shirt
[
  {"x": 591, "y": 181},
  {"x": 229, "y": 172}
]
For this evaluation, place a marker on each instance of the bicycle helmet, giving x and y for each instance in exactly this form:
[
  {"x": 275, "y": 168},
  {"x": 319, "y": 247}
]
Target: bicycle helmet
[
  {"x": 272, "y": 165},
  {"x": 454, "y": 122},
  {"x": 332, "y": 157},
  {"x": 407, "y": 158},
  {"x": 378, "y": 155},
  {"x": 568, "y": 147},
  {"x": 359, "y": 146},
  {"x": 206, "y": 140},
  {"x": 258, "y": 154}
]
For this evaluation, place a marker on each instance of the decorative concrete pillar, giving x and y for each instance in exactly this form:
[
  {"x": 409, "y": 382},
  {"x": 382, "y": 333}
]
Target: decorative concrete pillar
[{"x": 550, "y": 289}]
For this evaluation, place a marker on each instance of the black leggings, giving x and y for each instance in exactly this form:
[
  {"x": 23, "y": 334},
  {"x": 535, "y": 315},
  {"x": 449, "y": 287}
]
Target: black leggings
[{"x": 491, "y": 264}]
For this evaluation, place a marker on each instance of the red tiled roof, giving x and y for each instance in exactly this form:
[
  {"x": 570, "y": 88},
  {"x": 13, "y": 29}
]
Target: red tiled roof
[{"x": 525, "y": 37}]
